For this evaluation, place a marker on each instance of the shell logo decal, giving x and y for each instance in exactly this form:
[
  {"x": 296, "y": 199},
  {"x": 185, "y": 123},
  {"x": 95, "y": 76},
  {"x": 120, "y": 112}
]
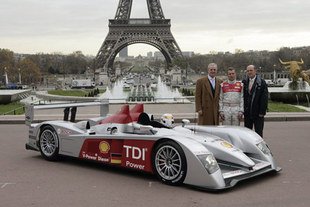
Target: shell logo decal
[
  {"x": 104, "y": 147},
  {"x": 226, "y": 144}
]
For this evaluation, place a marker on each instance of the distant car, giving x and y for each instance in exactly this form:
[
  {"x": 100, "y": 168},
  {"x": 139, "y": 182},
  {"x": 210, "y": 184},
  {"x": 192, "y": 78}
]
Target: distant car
[
  {"x": 212, "y": 158},
  {"x": 13, "y": 86},
  {"x": 281, "y": 81},
  {"x": 82, "y": 83},
  {"x": 269, "y": 82}
]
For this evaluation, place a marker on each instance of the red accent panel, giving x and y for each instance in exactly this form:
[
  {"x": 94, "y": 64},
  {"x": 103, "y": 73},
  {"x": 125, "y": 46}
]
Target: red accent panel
[
  {"x": 138, "y": 108},
  {"x": 136, "y": 111},
  {"x": 122, "y": 117},
  {"x": 228, "y": 87},
  {"x": 135, "y": 154},
  {"x": 125, "y": 116},
  {"x": 117, "y": 146}
]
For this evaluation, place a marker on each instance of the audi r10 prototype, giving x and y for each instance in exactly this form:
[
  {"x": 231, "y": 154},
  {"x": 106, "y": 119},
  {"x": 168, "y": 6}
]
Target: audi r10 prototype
[{"x": 209, "y": 157}]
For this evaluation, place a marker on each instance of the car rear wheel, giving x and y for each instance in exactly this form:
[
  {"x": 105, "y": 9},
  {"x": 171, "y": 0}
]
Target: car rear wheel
[
  {"x": 169, "y": 163},
  {"x": 48, "y": 143}
]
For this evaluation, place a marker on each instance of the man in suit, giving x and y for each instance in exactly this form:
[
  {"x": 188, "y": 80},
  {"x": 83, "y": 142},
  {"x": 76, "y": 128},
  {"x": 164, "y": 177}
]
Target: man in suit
[
  {"x": 207, "y": 96},
  {"x": 255, "y": 96}
]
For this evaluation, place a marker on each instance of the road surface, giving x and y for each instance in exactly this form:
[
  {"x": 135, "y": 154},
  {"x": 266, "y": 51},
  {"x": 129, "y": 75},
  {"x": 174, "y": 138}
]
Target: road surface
[{"x": 28, "y": 180}]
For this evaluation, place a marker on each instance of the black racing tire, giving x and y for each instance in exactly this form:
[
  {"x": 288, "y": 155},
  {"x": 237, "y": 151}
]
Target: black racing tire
[
  {"x": 169, "y": 163},
  {"x": 49, "y": 143}
]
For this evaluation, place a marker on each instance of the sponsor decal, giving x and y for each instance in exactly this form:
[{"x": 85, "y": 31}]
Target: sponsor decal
[
  {"x": 94, "y": 157},
  {"x": 135, "y": 153},
  {"x": 116, "y": 158},
  {"x": 104, "y": 147},
  {"x": 226, "y": 144},
  {"x": 102, "y": 159},
  {"x": 237, "y": 87},
  {"x": 134, "y": 165},
  {"x": 200, "y": 152}
]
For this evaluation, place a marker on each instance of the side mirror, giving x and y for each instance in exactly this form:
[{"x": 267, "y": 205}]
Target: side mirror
[
  {"x": 184, "y": 122},
  {"x": 145, "y": 128}
]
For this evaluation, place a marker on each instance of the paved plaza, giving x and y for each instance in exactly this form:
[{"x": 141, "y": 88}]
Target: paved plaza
[{"x": 28, "y": 180}]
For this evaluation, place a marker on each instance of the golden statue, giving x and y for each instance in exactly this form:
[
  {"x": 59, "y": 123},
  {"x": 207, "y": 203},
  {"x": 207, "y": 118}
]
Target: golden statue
[{"x": 295, "y": 70}]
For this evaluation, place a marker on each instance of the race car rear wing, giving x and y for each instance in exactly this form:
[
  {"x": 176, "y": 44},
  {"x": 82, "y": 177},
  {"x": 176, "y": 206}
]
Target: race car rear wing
[{"x": 68, "y": 107}]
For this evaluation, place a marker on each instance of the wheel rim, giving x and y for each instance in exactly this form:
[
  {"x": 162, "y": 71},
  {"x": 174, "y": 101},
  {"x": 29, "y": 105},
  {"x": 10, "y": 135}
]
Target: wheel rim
[
  {"x": 48, "y": 142},
  {"x": 168, "y": 162}
]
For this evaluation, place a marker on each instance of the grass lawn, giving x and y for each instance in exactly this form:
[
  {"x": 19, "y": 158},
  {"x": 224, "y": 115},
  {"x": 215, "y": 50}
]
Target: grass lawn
[
  {"x": 14, "y": 108},
  {"x": 138, "y": 69},
  {"x": 76, "y": 92},
  {"x": 69, "y": 92},
  {"x": 281, "y": 107}
]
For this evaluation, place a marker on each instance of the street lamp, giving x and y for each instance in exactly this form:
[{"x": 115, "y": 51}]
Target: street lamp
[
  {"x": 19, "y": 77},
  {"x": 6, "y": 76},
  {"x": 261, "y": 72},
  {"x": 274, "y": 73}
]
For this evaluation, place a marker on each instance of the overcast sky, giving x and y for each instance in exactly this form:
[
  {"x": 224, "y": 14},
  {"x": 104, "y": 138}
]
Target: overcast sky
[{"x": 33, "y": 26}]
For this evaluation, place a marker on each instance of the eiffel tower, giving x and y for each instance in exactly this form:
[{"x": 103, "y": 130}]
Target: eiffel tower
[{"x": 124, "y": 31}]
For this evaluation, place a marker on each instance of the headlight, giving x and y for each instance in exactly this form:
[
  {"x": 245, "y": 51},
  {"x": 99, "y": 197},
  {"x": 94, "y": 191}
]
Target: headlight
[
  {"x": 209, "y": 162},
  {"x": 264, "y": 148}
]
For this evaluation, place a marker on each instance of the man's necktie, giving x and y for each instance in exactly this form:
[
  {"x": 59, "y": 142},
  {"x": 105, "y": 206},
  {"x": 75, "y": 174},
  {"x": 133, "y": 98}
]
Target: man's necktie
[
  {"x": 251, "y": 84},
  {"x": 213, "y": 83}
]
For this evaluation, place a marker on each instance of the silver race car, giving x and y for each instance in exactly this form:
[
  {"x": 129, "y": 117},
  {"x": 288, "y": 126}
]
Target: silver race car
[{"x": 207, "y": 157}]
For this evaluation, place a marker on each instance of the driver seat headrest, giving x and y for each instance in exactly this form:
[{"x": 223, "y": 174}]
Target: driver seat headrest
[{"x": 144, "y": 119}]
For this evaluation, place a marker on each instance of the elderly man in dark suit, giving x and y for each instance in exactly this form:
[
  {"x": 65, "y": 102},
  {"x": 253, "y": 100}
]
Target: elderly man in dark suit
[
  {"x": 255, "y": 96},
  {"x": 207, "y": 97}
]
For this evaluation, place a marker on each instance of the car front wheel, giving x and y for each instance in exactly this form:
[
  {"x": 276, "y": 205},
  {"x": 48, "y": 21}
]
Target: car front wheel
[
  {"x": 48, "y": 144},
  {"x": 169, "y": 163}
]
